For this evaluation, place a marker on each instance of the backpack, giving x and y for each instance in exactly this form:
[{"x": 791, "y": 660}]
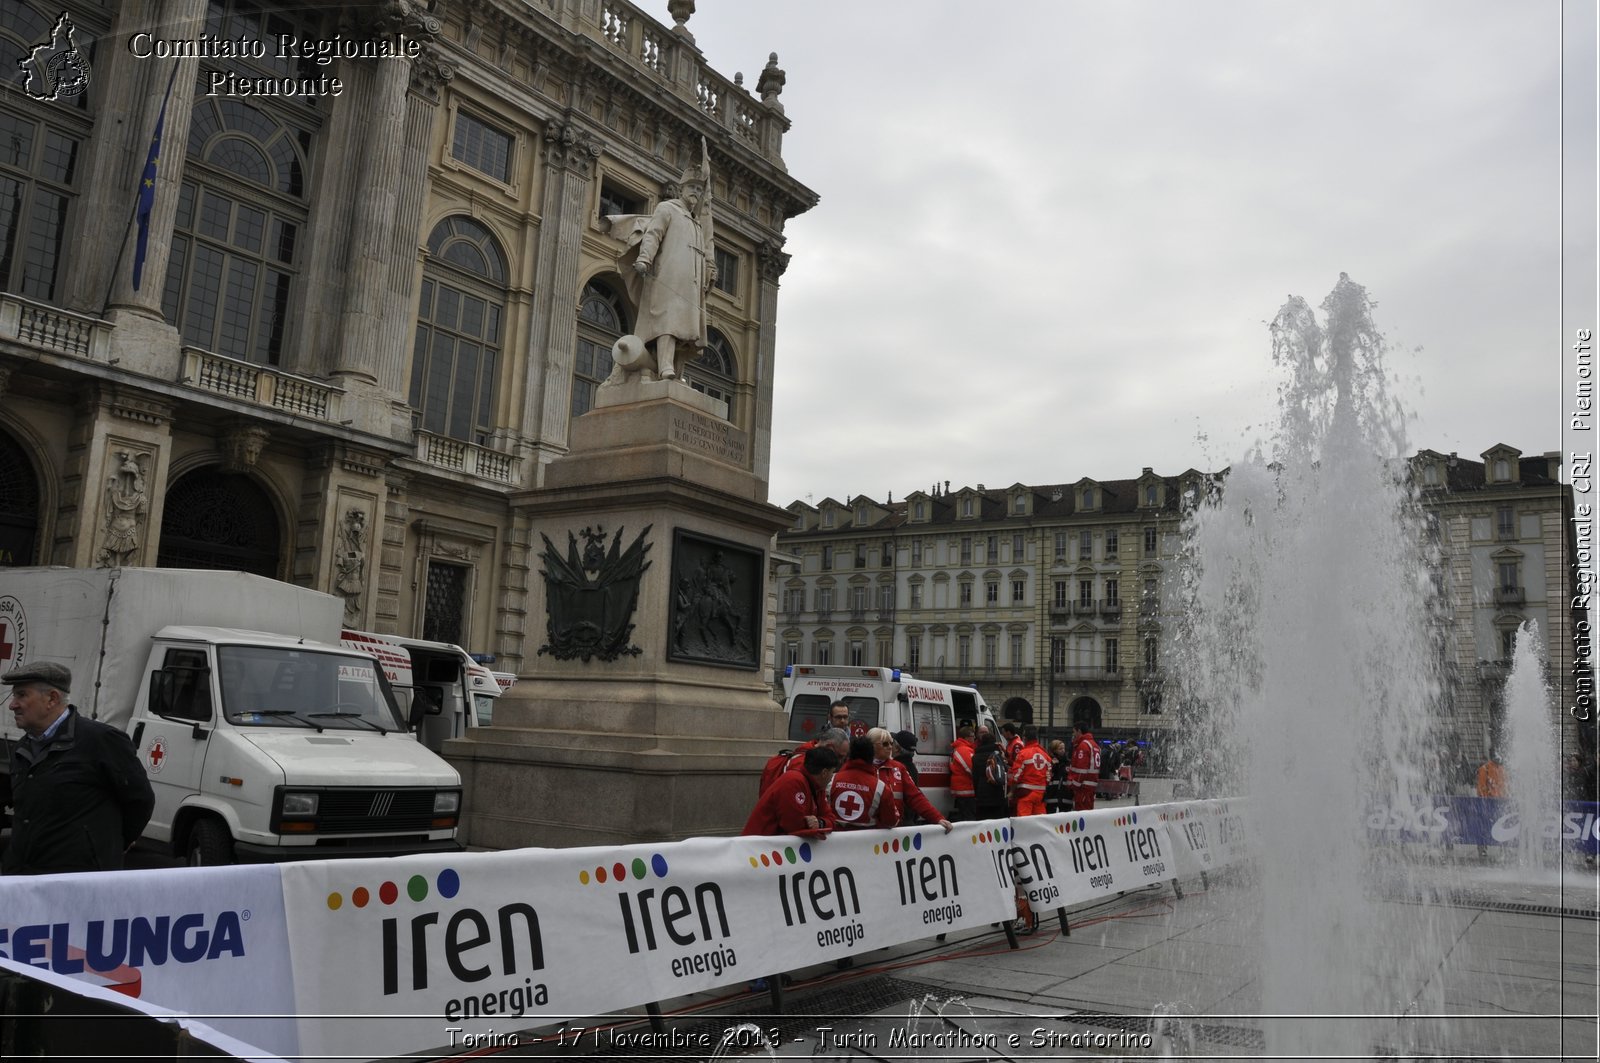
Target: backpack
[
  {"x": 994, "y": 770},
  {"x": 774, "y": 768}
]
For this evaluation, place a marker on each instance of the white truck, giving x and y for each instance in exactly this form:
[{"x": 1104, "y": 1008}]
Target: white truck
[
  {"x": 892, "y": 699},
  {"x": 263, "y": 738},
  {"x": 437, "y": 684}
]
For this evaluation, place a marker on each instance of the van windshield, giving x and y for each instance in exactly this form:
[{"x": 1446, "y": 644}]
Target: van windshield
[
  {"x": 808, "y": 714},
  {"x": 271, "y": 686}
]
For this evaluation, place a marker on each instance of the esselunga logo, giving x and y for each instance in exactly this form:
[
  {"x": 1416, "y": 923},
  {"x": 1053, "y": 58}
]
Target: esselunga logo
[
  {"x": 1002, "y": 836},
  {"x": 117, "y": 949}
]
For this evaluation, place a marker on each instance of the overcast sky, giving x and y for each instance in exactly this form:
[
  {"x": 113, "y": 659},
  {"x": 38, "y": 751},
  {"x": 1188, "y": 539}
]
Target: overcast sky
[{"x": 1051, "y": 233}]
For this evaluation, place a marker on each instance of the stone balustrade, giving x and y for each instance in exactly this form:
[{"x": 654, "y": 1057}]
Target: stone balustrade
[
  {"x": 457, "y": 455},
  {"x": 47, "y": 328},
  {"x": 260, "y": 384}
]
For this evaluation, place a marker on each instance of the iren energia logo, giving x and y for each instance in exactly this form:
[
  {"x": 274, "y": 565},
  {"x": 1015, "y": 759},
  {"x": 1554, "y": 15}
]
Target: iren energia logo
[
  {"x": 672, "y": 917},
  {"x": 827, "y": 897},
  {"x": 473, "y": 944}
]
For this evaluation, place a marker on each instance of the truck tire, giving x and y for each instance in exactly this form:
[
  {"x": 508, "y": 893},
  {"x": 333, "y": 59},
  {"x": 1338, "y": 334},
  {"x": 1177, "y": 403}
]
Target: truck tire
[{"x": 210, "y": 844}]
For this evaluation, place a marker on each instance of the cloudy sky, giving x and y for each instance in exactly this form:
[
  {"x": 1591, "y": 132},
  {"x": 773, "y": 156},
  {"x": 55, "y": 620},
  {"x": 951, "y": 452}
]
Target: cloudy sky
[{"x": 1051, "y": 233}]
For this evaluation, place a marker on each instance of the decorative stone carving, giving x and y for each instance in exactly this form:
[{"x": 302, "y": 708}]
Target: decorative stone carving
[
  {"x": 566, "y": 147},
  {"x": 5, "y": 379},
  {"x": 402, "y": 16},
  {"x": 350, "y": 580},
  {"x": 127, "y": 510},
  {"x": 680, "y": 11},
  {"x": 241, "y": 447},
  {"x": 772, "y": 261},
  {"x": 590, "y": 598},
  {"x": 769, "y": 86}
]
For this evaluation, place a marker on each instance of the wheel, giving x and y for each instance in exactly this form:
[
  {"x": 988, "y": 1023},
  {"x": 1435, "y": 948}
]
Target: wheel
[{"x": 210, "y": 845}]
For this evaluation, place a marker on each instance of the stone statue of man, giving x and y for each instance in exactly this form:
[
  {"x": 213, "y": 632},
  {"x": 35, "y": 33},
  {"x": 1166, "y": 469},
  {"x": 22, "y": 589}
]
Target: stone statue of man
[{"x": 668, "y": 269}]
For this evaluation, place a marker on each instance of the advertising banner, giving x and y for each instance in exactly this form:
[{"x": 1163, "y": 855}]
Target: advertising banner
[
  {"x": 440, "y": 951},
  {"x": 209, "y": 943},
  {"x": 1070, "y": 857},
  {"x": 1189, "y": 827},
  {"x": 1468, "y": 820}
]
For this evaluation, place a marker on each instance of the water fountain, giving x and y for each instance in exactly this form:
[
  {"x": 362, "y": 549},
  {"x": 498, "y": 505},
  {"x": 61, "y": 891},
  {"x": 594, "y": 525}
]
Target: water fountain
[
  {"x": 1532, "y": 774},
  {"x": 1309, "y": 679}
]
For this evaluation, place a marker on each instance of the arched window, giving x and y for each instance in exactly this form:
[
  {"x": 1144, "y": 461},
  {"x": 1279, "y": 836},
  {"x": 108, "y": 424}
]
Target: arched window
[
  {"x": 601, "y": 322},
  {"x": 715, "y": 371},
  {"x": 237, "y": 241},
  {"x": 216, "y": 519},
  {"x": 39, "y": 144},
  {"x": 456, "y": 358},
  {"x": 19, "y": 504}
]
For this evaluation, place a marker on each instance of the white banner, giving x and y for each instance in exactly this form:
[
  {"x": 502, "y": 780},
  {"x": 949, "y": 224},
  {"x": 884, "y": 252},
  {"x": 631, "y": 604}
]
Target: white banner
[
  {"x": 211, "y": 944},
  {"x": 1071, "y": 857},
  {"x": 449, "y": 950}
]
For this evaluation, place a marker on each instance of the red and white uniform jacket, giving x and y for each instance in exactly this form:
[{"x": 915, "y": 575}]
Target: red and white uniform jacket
[
  {"x": 961, "y": 768},
  {"x": 1031, "y": 770},
  {"x": 1083, "y": 777},
  {"x": 859, "y": 799},
  {"x": 905, "y": 793},
  {"x": 783, "y": 808}
]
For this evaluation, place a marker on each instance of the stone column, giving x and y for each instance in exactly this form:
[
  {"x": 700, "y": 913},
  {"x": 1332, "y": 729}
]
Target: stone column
[
  {"x": 129, "y": 106},
  {"x": 369, "y": 359},
  {"x": 569, "y": 155},
  {"x": 771, "y": 261}
]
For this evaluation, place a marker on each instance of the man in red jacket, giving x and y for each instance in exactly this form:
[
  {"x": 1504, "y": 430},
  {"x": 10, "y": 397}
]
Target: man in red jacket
[
  {"x": 1030, "y": 774},
  {"x": 961, "y": 787},
  {"x": 797, "y": 802},
  {"x": 903, "y": 790},
  {"x": 1084, "y": 774},
  {"x": 857, "y": 797}
]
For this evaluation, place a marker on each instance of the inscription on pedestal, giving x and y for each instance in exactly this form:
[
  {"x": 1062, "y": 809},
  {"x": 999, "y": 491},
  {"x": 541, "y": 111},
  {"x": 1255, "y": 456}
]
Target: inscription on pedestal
[{"x": 708, "y": 436}]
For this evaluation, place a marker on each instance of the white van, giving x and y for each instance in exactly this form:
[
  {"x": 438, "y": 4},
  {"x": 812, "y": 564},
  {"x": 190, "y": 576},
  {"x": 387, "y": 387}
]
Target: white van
[
  {"x": 893, "y": 700},
  {"x": 456, "y": 690}
]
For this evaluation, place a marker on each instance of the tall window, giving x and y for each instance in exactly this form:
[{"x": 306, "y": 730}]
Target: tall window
[
  {"x": 1505, "y": 523},
  {"x": 1111, "y": 543},
  {"x": 913, "y": 652},
  {"x": 1061, "y": 546},
  {"x": 991, "y": 652},
  {"x": 1016, "y": 548},
  {"x": 38, "y": 167},
  {"x": 1059, "y": 600},
  {"x": 916, "y": 596},
  {"x": 861, "y": 555},
  {"x": 1085, "y": 545},
  {"x": 824, "y": 651},
  {"x": 991, "y": 592},
  {"x": 964, "y": 652},
  {"x": 886, "y": 554},
  {"x": 1019, "y": 591},
  {"x": 966, "y": 592},
  {"x": 991, "y": 548},
  {"x": 456, "y": 358},
  {"x": 1152, "y": 653},
  {"x": 727, "y": 271},
  {"x": 1016, "y": 653},
  {"x": 601, "y": 323},
  {"x": 858, "y": 653},
  {"x": 1058, "y": 655},
  {"x": 1111, "y": 591},
  {"x": 715, "y": 371},
  {"x": 482, "y": 147},
  {"x": 236, "y": 242},
  {"x": 1509, "y": 575},
  {"x": 1111, "y": 656},
  {"x": 1086, "y": 592},
  {"x": 966, "y": 549},
  {"x": 916, "y": 551},
  {"x": 824, "y": 599},
  {"x": 886, "y": 598},
  {"x": 1150, "y": 541},
  {"x": 827, "y": 558}
]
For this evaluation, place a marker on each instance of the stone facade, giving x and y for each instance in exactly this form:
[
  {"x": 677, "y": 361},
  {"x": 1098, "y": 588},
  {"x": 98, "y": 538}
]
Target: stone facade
[
  {"x": 368, "y": 322},
  {"x": 1053, "y": 599}
]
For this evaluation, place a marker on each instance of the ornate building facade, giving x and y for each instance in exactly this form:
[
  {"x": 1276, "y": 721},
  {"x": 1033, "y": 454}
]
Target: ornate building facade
[
  {"x": 365, "y": 319},
  {"x": 1056, "y": 600}
]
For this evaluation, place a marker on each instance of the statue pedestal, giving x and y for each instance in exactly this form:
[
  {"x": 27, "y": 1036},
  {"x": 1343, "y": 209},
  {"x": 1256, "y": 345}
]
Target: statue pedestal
[{"x": 662, "y": 731}]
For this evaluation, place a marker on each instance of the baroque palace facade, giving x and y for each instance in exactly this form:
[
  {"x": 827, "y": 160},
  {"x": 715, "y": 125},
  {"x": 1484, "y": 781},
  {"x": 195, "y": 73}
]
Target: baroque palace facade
[
  {"x": 1057, "y": 601},
  {"x": 367, "y": 318}
]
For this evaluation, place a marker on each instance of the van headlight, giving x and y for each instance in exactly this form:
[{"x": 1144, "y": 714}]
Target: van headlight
[
  {"x": 299, "y": 804},
  {"x": 447, "y": 802}
]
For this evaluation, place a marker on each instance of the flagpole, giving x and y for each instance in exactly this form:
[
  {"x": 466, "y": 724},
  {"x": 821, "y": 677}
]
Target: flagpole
[{"x": 122, "y": 250}]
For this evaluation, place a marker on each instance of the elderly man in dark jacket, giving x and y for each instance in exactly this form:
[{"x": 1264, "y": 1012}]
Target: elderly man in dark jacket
[{"x": 79, "y": 795}]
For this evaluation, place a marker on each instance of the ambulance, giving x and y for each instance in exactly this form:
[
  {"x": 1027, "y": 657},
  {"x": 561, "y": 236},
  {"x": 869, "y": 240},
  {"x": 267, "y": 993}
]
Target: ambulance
[
  {"x": 456, "y": 691},
  {"x": 892, "y": 699}
]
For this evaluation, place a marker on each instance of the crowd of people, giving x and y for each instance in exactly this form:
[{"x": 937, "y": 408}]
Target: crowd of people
[{"x": 854, "y": 777}]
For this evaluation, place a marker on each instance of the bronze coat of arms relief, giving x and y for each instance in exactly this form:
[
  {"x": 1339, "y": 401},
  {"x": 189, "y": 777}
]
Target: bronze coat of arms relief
[{"x": 590, "y": 596}]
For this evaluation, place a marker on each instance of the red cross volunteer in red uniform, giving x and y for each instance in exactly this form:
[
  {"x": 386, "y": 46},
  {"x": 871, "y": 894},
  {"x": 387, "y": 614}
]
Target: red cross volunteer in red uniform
[
  {"x": 857, "y": 797},
  {"x": 796, "y": 803},
  {"x": 1030, "y": 774},
  {"x": 1084, "y": 774}
]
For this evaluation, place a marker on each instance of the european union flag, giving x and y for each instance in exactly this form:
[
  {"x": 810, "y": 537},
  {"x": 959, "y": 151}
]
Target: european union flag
[{"x": 147, "y": 187}]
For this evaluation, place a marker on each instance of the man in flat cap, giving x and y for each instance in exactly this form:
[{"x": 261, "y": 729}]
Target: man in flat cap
[{"x": 79, "y": 796}]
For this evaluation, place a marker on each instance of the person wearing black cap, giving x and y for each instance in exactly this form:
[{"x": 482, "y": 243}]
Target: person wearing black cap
[
  {"x": 78, "y": 794},
  {"x": 907, "y": 753}
]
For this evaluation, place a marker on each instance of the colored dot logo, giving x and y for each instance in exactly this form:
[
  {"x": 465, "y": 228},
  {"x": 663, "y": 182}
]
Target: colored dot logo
[
  {"x": 1128, "y": 820},
  {"x": 1071, "y": 826},
  {"x": 778, "y": 858},
  {"x": 989, "y": 837},
  {"x": 898, "y": 845},
  {"x": 446, "y": 884},
  {"x": 620, "y": 872}
]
